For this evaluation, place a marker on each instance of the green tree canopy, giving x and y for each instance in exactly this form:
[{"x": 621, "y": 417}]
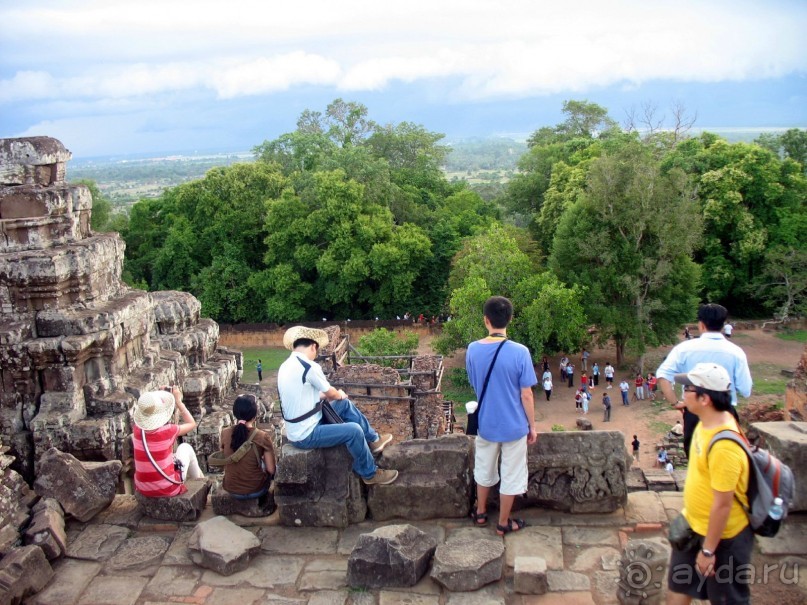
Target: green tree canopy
[{"x": 628, "y": 241}]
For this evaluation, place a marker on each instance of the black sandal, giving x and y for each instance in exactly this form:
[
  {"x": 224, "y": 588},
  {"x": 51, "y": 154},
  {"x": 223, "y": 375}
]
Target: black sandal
[
  {"x": 506, "y": 529},
  {"x": 479, "y": 519}
]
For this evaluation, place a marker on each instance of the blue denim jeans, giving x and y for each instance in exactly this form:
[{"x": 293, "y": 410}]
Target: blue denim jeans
[{"x": 355, "y": 433}]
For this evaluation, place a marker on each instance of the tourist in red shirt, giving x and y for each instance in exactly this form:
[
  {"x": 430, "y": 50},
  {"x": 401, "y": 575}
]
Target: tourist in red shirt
[
  {"x": 651, "y": 386},
  {"x": 584, "y": 382},
  {"x": 639, "y": 386},
  {"x": 159, "y": 471}
]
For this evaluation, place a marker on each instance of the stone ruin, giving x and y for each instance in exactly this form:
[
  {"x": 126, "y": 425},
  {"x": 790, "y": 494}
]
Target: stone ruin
[{"x": 77, "y": 345}]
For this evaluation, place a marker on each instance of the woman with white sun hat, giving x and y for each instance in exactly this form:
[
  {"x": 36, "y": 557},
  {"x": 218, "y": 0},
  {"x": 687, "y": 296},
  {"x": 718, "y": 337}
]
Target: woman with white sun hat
[{"x": 160, "y": 471}]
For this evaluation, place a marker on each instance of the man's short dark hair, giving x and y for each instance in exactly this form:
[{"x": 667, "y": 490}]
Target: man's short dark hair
[
  {"x": 499, "y": 311},
  {"x": 721, "y": 400},
  {"x": 304, "y": 342},
  {"x": 713, "y": 316}
]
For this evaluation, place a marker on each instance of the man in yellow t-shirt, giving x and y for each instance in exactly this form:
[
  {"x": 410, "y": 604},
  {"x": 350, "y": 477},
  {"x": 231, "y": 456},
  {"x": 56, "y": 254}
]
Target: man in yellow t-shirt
[{"x": 714, "y": 497}]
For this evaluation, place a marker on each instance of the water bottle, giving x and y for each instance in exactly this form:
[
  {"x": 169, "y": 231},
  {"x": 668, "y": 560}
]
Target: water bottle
[{"x": 777, "y": 511}]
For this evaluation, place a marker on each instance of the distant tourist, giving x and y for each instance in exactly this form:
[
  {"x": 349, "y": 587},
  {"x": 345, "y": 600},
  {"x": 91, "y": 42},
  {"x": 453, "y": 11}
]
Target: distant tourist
[
  {"x": 584, "y": 359},
  {"x": 570, "y": 374},
  {"x": 159, "y": 471},
  {"x": 635, "y": 444},
  {"x": 584, "y": 381},
  {"x": 661, "y": 457},
  {"x": 677, "y": 431},
  {"x": 669, "y": 467},
  {"x": 606, "y": 402},
  {"x": 727, "y": 330},
  {"x": 609, "y": 374},
  {"x": 595, "y": 374},
  {"x": 687, "y": 335},
  {"x": 652, "y": 385},
  {"x": 547, "y": 384},
  {"x": 624, "y": 388},
  {"x": 259, "y": 368},
  {"x": 639, "y": 383}
]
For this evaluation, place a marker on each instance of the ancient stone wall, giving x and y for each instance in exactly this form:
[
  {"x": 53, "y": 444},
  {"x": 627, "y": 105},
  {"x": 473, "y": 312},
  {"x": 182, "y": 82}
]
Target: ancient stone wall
[
  {"x": 78, "y": 346},
  {"x": 796, "y": 392}
]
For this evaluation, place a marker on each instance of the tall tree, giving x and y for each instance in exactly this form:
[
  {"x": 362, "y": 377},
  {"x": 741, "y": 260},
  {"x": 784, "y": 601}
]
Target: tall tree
[{"x": 628, "y": 241}]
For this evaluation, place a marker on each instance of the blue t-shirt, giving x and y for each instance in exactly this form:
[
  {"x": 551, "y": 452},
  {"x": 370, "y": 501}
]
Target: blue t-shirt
[{"x": 501, "y": 415}]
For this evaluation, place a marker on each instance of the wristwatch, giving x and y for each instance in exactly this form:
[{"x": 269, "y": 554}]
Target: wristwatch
[{"x": 707, "y": 553}]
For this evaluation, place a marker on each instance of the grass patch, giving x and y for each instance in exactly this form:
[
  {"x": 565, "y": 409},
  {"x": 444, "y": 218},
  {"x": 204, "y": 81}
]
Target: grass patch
[
  {"x": 768, "y": 379},
  {"x": 457, "y": 388},
  {"x": 659, "y": 427},
  {"x": 271, "y": 358},
  {"x": 795, "y": 335}
]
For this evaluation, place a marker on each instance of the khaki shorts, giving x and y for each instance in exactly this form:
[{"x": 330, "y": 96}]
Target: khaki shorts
[{"x": 514, "y": 465}]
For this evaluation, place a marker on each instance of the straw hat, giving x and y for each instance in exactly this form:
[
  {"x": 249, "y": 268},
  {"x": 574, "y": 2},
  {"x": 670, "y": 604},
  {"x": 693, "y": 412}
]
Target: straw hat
[
  {"x": 154, "y": 409},
  {"x": 297, "y": 332}
]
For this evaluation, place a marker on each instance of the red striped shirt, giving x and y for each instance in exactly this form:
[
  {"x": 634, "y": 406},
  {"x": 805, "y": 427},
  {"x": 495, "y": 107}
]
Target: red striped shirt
[{"x": 148, "y": 480}]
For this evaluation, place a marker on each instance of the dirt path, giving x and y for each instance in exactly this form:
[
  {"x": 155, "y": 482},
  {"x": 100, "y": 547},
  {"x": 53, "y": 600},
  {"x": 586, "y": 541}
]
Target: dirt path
[{"x": 644, "y": 419}]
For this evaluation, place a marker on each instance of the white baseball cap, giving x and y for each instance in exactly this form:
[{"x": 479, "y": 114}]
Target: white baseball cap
[{"x": 708, "y": 376}]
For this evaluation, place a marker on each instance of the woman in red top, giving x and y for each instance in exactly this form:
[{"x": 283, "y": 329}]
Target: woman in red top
[
  {"x": 584, "y": 382},
  {"x": 159, "y": 471},
  {"x": 639, "y": 387}
]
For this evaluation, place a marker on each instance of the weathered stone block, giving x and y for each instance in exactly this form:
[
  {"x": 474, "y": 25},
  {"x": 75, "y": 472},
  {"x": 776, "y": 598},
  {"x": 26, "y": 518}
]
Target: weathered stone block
[
  {"x": 224, "y": 504},
  {"x": 434, "y": 480},
  {"x": 220, "y": 545},
  {"x": 530, "y": 575},
  {"x": 468, "y": 563},
  {"x": 395, "y": 555},
  {"x": 82, "y": 493},
  {"x": 788, "y": 441},
  {"x": 23, "y": 572},
  {"x": 578, "y": 472},
  {"x": 317, "y": 488},
  {"x": 47, "y": 529},
  {"x": 184, "y": 507}
]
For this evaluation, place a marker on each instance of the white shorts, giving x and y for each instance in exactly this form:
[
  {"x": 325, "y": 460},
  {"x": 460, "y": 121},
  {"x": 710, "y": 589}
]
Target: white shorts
[{"x": 514, "y": 465}]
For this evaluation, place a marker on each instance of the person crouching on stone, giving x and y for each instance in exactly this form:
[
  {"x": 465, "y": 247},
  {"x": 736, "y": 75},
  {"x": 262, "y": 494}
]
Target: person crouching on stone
[
  {"x": 250, "y": 476},
  {"x": 301, "y": 384},
  {"x": 159, "y": 470}
]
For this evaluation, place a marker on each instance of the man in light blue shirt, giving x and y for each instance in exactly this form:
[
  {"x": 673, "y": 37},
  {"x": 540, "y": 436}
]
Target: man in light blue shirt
[{"x": 711, "y": 347}]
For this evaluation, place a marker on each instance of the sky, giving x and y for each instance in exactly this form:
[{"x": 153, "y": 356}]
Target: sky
[{"x": 110, "y": 77}]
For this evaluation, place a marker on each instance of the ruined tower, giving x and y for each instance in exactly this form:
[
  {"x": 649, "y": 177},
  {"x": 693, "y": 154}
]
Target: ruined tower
[{"x": 77, "y": 345}]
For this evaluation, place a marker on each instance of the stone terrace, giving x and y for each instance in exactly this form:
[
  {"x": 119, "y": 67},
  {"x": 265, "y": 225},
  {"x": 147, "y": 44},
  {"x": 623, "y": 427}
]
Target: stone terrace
[{"x": 122, "y": 558}]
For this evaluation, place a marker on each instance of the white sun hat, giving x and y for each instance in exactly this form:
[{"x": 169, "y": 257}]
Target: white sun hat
[
  {"x": 154, "y": 409},
  {"x": 297, "y": 332}
]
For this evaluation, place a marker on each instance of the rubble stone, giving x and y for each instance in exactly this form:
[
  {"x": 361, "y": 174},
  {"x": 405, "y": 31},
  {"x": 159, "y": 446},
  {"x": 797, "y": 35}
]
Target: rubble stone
[
  {"x": 82, "y": 492},
  {"x": 224, "y": 504},
  {"x": 220, "y": 545},
  {"x": 24, "y": 571},
  {"x": 395, "y": 555},
  {"x": 47, "y": 529}
]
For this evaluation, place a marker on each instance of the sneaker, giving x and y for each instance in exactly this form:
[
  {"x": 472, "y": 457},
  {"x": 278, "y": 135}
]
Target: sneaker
[
  {"x": 377, "y": 446},
  {"x": 382, "y": 477}
]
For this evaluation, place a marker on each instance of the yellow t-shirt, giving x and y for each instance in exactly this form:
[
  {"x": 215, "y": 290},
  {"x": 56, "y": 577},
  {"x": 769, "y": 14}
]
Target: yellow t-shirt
[{"x": 726, "y": 470}]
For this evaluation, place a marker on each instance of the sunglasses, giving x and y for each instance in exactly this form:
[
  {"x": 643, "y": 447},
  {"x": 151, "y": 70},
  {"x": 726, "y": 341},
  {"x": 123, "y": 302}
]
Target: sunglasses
[{"x": 690, "y": 389}]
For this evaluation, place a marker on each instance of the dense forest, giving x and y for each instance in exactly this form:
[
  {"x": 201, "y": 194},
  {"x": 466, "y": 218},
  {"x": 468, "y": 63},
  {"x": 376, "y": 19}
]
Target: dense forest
[{"x": 603, "y": 225}]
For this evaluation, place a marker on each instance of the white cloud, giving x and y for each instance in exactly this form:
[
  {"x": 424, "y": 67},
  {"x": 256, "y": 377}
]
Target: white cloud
[{"x": 119, "y": 49}]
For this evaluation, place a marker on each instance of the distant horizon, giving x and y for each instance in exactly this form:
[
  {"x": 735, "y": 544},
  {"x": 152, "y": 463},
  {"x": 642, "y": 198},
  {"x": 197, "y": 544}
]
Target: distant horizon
[{"x": 167, "y": 155}]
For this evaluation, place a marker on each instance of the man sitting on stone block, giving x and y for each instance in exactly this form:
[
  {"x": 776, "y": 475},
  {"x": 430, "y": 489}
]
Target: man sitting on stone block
[{"x": 301, "y": 384}]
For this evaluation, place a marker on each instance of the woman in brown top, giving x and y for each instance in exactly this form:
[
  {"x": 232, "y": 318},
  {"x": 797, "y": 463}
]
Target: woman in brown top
[{"x": 249, "y": 477}]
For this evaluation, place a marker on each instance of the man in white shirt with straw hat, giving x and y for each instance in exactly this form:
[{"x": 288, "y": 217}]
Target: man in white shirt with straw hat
[{"x": 302, "y": 384}]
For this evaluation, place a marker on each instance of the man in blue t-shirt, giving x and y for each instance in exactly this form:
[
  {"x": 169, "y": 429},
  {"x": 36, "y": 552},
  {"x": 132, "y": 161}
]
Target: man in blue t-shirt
[{"x": 506, "y": 415}]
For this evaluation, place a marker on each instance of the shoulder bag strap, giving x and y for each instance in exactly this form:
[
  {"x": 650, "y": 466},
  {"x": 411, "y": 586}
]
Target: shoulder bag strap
[
  {"x": 317, "y": 407},
  {"x": 154, "y": 464},
  {"x": 487, "y": 377}
]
